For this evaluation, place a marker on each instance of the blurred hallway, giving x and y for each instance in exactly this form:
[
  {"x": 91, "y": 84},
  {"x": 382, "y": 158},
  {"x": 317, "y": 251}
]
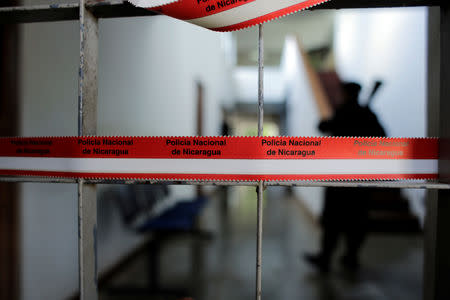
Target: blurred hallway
[{"x": 224, "y": 268}]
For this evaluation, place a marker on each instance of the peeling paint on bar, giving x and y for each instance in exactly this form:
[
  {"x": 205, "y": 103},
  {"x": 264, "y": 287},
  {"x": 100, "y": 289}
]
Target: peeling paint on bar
[{"x": 115, "y": 9}]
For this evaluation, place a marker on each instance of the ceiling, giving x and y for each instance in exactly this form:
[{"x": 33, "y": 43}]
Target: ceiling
[{"x": 314, "y": 28}]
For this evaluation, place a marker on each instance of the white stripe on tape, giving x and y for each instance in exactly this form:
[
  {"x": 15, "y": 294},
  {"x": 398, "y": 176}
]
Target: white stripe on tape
[
  {"x": 222, "y": 166},
  {"x": 244, "y": 13},
  {"x": 151, "y": 3}
]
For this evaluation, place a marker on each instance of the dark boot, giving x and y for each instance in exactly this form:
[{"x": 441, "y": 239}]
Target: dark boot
[
  {"x": 328, "y": 245},
  {"x": 350, "y": 262},
  {"x": 318, "y": 261}
]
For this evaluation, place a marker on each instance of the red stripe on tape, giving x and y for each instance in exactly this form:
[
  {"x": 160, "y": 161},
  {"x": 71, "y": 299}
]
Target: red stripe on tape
[
  {"x": 222, "y": 147},
  {"x": 237, "y": 158},
  {"x": 271, "y": 16},
  {"x": 193, "y": 9}
]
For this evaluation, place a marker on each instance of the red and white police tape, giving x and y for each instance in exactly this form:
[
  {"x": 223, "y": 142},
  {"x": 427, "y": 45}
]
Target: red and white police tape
[
  {"x": 227, "y": 15},
  {"x": 221, "y": 158}
]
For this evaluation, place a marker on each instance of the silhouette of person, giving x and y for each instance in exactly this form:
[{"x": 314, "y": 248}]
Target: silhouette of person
[{"x": 345, "y": 210}]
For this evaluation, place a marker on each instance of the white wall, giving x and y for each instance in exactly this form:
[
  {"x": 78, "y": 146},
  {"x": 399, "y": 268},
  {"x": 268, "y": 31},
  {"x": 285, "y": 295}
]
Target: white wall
[
  {"x": 388, "y": 44},
  {"x": 48, "y": 212},
  {"x": 147, "y": 79},
  {"x": 148, "y": 68},
  {"x": 302, "y": 116},
  {"x": 246, "y": 82}
]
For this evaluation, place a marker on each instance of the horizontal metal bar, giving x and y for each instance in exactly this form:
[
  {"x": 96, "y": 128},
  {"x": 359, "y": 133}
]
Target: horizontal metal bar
[
  {"x": 37, "y": 179},
  {"x": 119, "y": 8},
  {"x": 39, "y": 13},
  {"x": 375, "y": 184},
  {"x": 408, "y": 184},
  {"x": 70, "y": 11},
  {"x": 343, "y": 4},
  {"x": 184, "y": 182},
  {"x": 28, "y": 179}
]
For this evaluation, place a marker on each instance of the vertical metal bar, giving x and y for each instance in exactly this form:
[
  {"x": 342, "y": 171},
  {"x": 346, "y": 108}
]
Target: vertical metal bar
[
  {"x": 87, "y": 240},
  {"x": 87, "y": 125},
  {"x": 260, "y": 189},
  {"x": 433, "y": 131},
  {"x": 260, "y": 81},
  {"x": 10, "y": 248},
  {"x": 437, "y": 244},
  {"x": 88, "y": 87},
  {"x": 442, "y": 209}
]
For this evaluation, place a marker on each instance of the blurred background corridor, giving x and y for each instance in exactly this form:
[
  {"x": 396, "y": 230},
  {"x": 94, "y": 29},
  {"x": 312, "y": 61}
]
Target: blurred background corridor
[
  {"x": 223, "y": 267},
  {"x": 162, "y": 77}
]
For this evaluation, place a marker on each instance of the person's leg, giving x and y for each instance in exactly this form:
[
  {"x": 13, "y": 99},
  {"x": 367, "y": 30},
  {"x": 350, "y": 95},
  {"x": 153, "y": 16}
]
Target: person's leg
[
  {"x": 354, "y": 240},
  {"x": 330, "y": 232},
  {"x": 330, "y": 237},
  {"x": 322, "y": 260},
  {"x": 356, "y": 231}
]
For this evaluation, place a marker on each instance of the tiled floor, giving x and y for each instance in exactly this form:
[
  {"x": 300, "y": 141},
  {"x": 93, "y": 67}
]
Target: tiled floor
[{"x": 224, "y": 268}]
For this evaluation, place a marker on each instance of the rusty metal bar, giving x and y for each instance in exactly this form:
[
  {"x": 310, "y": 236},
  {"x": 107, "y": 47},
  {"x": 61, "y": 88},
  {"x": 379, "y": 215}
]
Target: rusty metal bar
[
  {"x": 260, "y": 81},
  {"x": 430, "y": 185},
  {"x": 343, "y": 4},
  {"x": 39, "y": 13},
  {"x": 119, "y": 8},
  {"x": 437, "y": 244},
  {"x": 260, "y": 188},
  {"x": 372, "y": 184},
  {"x": 87, "y": 125},
  {"x": 87, "y": 240},
  {"x": 259, "y": 236},
  {"x": 433, "y": 89},
  {"x": 87, "y": 83},
  {"x": 69, "y": 11}
]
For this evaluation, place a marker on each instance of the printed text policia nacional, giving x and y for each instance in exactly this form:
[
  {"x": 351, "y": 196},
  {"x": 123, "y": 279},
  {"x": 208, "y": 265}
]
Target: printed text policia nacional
[
  {"x": 106, "y": 142},
  {"x": 291, "y": 142},
  {"x": 197, "y": 143}
]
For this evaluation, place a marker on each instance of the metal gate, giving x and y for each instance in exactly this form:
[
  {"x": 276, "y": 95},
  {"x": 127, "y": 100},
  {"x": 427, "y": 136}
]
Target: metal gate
[{"x": 437, "y": 244}]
